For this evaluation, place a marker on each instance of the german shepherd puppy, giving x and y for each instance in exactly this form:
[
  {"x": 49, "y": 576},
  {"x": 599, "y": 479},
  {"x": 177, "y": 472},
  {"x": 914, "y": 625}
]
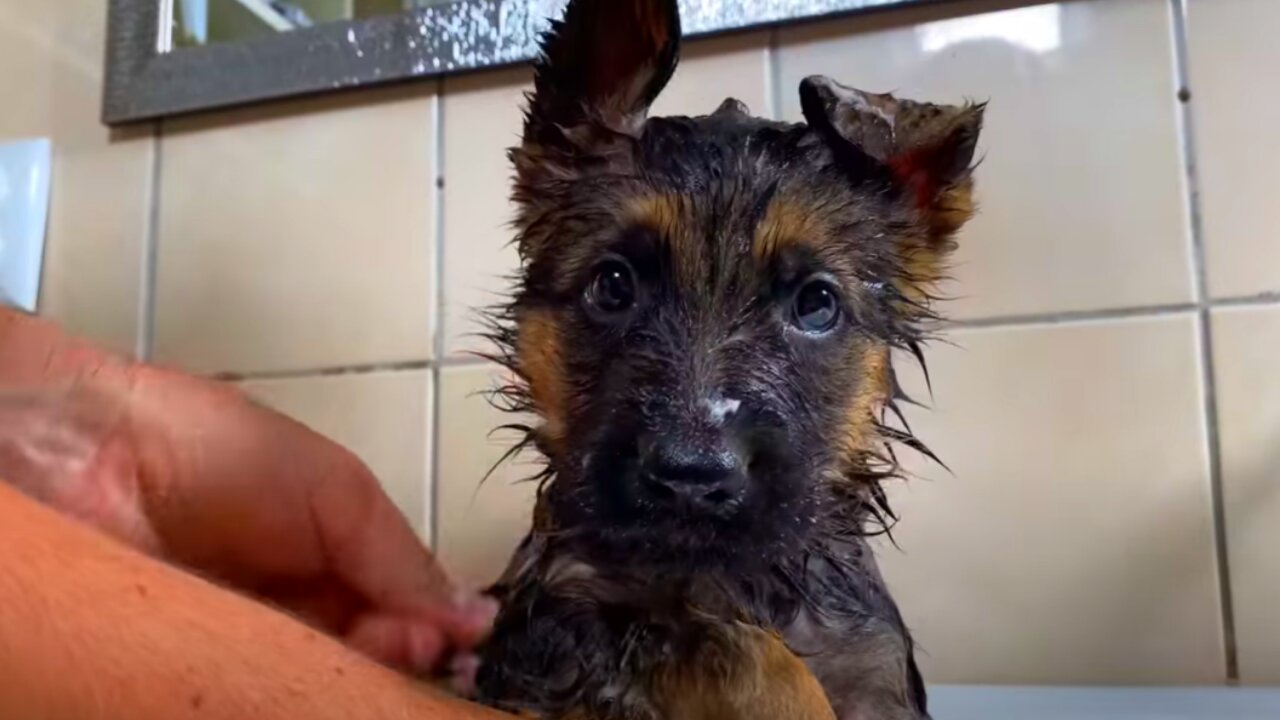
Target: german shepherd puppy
[{"x": 702, "y": 326}]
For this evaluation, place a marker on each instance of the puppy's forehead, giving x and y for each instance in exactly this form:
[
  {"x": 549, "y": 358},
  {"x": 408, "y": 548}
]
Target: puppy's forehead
[
  {"x": 707, "y": 147},
  {"x": 731, "y": 185},
  {"x": 720, "y": 197}
]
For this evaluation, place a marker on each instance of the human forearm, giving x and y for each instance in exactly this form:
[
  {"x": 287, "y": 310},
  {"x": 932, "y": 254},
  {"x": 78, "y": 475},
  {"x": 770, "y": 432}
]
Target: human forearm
[
  {"x": 193, "y": 473},
  {"x": 91, "y": 630}
]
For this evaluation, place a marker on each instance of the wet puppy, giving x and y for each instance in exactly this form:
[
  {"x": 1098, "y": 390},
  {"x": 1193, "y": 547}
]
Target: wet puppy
[{"x": 702, "y": 326}]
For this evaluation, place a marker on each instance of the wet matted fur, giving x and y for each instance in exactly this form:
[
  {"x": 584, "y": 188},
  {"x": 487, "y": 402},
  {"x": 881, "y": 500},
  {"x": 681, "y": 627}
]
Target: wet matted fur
[{"x": 702, "y": 327}]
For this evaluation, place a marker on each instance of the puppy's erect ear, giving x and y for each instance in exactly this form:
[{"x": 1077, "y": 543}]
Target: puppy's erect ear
[
  {"x": 925, "y": 150},
  {"x": 603, "y": 64}
]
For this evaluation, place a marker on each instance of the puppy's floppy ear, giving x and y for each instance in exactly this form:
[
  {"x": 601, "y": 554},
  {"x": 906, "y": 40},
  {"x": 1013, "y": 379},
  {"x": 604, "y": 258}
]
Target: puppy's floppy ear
[
  {"x": 603, "y": 64},
  {"x": 924, "y": 150}
]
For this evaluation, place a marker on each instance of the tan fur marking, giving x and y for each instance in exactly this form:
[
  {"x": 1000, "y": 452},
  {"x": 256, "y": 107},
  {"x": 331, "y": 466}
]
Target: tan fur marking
[
  {"x": 923, "y": 267},
  {"x": 541, "y": 356},
  {"x": 544, "y": 519},
  {"x": 743, "y": 673},
  {"x": 662, "y": 213},
  {"x": 785, "y": 223},
  {"x": 859, "y": 426},
  {"x": 952, "y": 209},
  {"x": 924, "y": 257},
  {"x": 668, "y": 215}
]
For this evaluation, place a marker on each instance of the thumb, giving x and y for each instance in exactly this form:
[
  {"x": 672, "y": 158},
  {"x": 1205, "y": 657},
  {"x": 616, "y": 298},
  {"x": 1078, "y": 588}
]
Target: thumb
[
  {"x": 374, "y": 551},
  {"x": 399, "y": 641},
  {"x": 465, "y": 617}
]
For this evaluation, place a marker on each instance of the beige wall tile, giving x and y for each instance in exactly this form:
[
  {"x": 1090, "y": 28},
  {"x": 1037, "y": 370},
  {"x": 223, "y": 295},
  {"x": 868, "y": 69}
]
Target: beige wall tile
[
  {"x": 711, "y": 70},
  {"x": 1237, "y": 148},
  {"x": 29, "y": 58},
  {"x": 51, "y": 68},
  {"x": 1246, "y": 345},
  {"x": 1074, "y": 542},
  {"x": 95, "y": 245},
  {"x": 298, "y": 236},
  {"x": 479, "y": 525},
  {"x": 382, "y": 417},
  {"x": 1080, "y": 184},
  {"x": 482, "y": 118}
]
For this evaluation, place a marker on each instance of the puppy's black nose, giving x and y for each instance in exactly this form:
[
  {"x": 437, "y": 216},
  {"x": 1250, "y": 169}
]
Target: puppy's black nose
[{"x": 691, "y": 478}]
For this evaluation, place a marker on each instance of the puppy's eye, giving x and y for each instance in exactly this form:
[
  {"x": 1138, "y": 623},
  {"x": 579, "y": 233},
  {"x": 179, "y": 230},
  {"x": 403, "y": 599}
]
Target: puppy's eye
[
  {"x": 816, "y": 307},
  {"x": 613, "y": 289}
]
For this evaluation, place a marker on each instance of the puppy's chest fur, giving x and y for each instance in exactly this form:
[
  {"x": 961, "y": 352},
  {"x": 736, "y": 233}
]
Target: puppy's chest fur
[{"x": 575, "y": 642}]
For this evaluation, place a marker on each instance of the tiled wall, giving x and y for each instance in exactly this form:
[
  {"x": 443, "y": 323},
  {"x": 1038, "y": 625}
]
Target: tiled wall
[{"x": 1112, "y": 369}]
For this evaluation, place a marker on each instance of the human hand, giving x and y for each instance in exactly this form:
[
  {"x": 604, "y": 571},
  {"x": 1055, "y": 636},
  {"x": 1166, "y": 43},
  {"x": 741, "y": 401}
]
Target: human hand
[{"x": 192, "y": 472}]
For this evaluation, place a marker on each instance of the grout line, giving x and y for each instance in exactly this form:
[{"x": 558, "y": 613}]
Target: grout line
[
  {"x": 144, "y": 345},
  {"x": 1271, "y": 299},
  {"x": 365, "y": 369},
  {"x": 773, "y": 76},
  {"x": 1204, "y": 326},
  {"x": 1071, "y": 316},
  {"x": 463, "y": 361},
  {"x": 1178, "y": 11},
  {"x": 1265, "y": 299},
  {"x": 432, "y": 494},
  {"x": 1260, "y": 299}
]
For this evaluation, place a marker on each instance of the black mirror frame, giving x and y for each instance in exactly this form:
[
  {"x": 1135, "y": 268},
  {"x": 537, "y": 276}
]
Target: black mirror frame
[{"x": 144, "y": 82}]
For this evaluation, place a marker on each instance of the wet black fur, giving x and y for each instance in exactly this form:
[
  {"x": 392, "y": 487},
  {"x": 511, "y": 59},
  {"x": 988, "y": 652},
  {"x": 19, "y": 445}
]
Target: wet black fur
[{"x": 605, "y": 589}]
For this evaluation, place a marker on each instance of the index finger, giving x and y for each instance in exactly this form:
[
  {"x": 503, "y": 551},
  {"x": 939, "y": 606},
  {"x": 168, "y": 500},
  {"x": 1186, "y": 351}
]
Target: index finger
[
  {"x": 372, "y": 547},
  {"x": 35, "y": 353}
]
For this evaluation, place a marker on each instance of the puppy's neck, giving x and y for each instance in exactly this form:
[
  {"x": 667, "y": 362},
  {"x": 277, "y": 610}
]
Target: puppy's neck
[{"x": 770, "y": 595}]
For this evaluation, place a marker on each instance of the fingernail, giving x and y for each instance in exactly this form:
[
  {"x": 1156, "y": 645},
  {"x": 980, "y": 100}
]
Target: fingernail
[
  {"x": 425, "y": 647},
  {"x": 478, "y": 609},
  {"x": 483, "y": 610},
  {"x": 462, "y": 674}
]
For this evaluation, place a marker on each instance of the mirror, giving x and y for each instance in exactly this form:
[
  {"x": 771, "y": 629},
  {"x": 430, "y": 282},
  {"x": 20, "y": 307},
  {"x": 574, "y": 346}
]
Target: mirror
[
  {"x": 206, "y": 22},
  {"x": 169, "y": 57}
]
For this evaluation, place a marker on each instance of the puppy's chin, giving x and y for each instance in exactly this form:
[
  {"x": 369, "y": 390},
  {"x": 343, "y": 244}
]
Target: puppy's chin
[
  {"x": 671, "y": 543},
  {"x": 750, "y": 540}
]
